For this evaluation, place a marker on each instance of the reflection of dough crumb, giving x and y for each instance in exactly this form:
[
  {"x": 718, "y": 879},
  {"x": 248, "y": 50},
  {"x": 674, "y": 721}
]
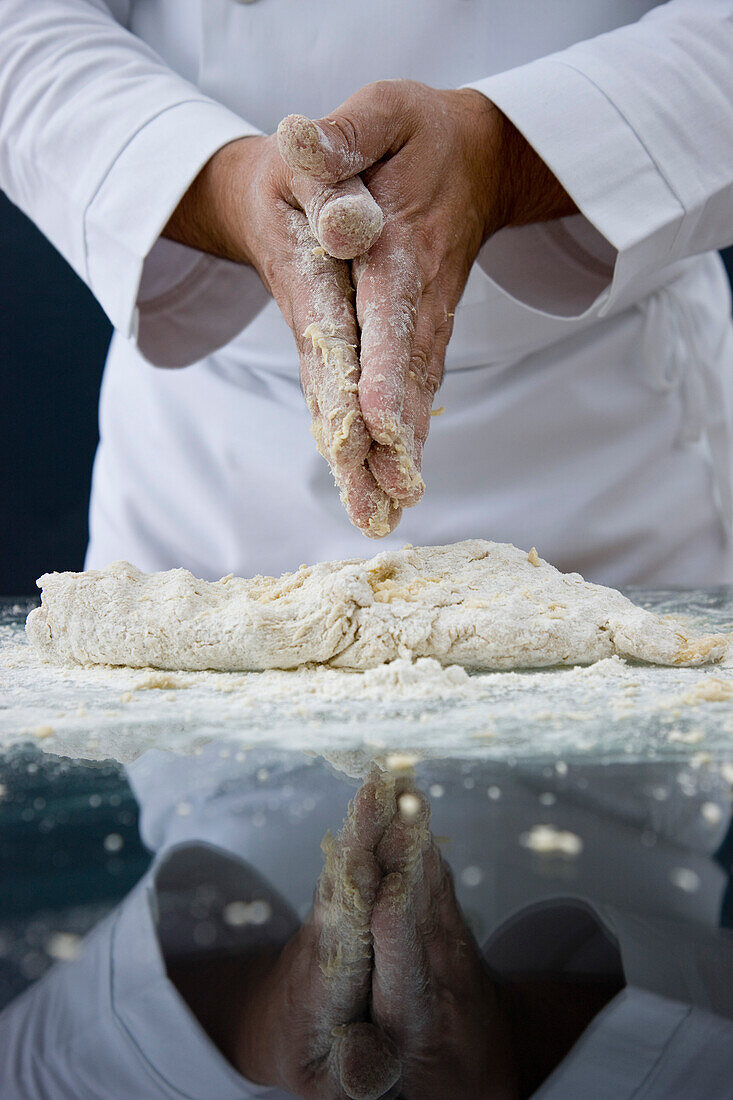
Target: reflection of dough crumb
[
  {"x": 409, "y": 806},
  {"x": 401, "y": 763},
  {"x": 685, "y": 879},
  {"x": 726, "y": 770},
  {"x": 547, "y": 840},
  {"x": 691, "y": 737},
  {"x": 64, "y": 946}
]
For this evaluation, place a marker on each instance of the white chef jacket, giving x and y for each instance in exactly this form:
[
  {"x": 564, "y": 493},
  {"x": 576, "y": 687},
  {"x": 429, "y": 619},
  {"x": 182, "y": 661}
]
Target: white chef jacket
[
  {"x": 111, "y": 1024},
  {"x": 588, "y": 385}
]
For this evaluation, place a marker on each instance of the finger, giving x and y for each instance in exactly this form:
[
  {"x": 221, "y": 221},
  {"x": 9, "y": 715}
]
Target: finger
[
  {"x": 400, "y": 980},
  {"x": 449, "y": 944},
  {"x": 348, "y": 884},
  {"x": 364, "y": 1061},
  {"x": 340, "y": 434},
  {"x": 400, "y": 846},
  {"x": 324, "y": 326},
  {"x": 367, "y": 126},
  {"x": 389, "y": 287},
  {"x": 402, "y": 849},
  {"x": 371, "y": 810},
  {"x": 323, "y": 322},
  {"x": 342, "y": 950},
  {"x": 426, "y": 368},
  {"x": 368, "y": 507},
  {"x": 423, "y": 377},
  {"x": 343, "y": 906},
  {"x": 344, "y": 217},
  {"x": 368, "y": 816}
]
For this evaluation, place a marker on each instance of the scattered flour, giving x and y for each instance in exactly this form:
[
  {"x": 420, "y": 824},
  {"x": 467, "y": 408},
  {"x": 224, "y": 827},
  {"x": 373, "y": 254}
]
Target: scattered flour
[{"x": 403, "y": 709}]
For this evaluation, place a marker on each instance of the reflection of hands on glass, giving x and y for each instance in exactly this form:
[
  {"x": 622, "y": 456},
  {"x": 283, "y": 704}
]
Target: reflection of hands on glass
[
  {"x": 382, "y": 991},
  {"x": 431, "y": 991}
]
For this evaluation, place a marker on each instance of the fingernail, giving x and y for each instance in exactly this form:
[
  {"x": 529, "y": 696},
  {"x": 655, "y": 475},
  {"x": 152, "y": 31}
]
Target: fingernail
[
  {"x": 302, "y": 144},
  {"x": 349, "y": 225}
]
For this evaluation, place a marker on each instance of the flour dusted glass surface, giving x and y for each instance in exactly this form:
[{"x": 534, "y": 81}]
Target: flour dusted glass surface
[{"x": 162, "y": 838}]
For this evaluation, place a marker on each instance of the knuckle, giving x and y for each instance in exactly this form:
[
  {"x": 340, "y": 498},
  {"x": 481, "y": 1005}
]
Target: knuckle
[
  {"x": 444, "y": 327},
  {"x": 434, "y": 379},
  {"x": 420, "y": 364},
  {"x": 347, "y": 131}
]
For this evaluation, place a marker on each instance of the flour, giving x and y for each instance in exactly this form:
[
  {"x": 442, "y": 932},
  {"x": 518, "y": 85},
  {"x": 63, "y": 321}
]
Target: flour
[{"x": 476, "y": 604}]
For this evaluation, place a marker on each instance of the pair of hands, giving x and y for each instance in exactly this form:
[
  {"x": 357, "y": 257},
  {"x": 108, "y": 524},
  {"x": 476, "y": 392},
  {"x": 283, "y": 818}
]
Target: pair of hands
[
  {"x": 382, "y": 994},
  {"x": 382, "y": 991},
  {"x": 364, "y": 226}
]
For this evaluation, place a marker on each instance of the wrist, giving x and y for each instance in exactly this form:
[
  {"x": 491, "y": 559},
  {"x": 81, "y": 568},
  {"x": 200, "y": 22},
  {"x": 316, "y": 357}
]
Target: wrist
[
  {"x": 211, "y": 215},
  {"x": 513, "y": 183},
  {"x": 255, "y": 1031},
  {"x": 529, "y": 191},
  {"x": 545, "y": 1017},
  {"x": 226, "y": 995},
  {"x": 481, "y": 127}
]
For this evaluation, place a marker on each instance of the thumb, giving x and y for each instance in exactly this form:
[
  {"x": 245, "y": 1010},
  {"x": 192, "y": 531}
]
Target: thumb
[
  {"x": 345, "y": 219},
  {"x": 360, "y": 132},
  {"x": 365, "y": 1060}
]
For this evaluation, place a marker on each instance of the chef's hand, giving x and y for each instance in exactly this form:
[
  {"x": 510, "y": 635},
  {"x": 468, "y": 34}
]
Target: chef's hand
[
  {"x": 246, "y": 206},
  {"x": 448, "y": 170},
  {"x": 382, "y": 992},
  {"x": 431, "y": 992},
  {"x": 305, "y": 1024}
]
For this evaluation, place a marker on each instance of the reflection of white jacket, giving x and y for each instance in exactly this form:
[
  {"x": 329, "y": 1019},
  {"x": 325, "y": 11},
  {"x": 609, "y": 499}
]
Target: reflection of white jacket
[
  {"x": 111, "y": 1025},
  {"x": 588, "y": 387}
]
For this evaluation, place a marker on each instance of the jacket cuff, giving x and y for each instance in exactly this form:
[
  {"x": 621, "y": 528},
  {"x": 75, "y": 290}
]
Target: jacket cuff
[
  {"x": 155, "y": 923},
  {"x": 122, "y": 224},
  {"x": 630, "y": 217},
  {"x": 644, "y": 1044}
]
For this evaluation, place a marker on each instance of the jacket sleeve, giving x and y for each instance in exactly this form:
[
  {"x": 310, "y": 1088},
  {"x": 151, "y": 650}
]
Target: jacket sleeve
[
  {"x": 99, "y": 139},
  {"x": 642, "y": 1043},
  {"x": 636, "y": 125},
  {"x": 109, "y": 1023}
]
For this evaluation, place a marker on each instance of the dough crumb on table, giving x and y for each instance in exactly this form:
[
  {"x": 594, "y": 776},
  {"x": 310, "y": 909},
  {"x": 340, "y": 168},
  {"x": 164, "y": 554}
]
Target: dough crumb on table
[
  {"x": 478, "y": 604},
  {"x": 712, "y": 690}
]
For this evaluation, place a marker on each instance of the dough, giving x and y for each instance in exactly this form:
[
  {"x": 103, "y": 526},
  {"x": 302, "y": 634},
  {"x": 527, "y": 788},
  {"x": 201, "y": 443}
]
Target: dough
[{"x": 483, "y": 605}]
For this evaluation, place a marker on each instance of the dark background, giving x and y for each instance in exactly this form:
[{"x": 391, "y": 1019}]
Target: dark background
[{"x": 53, "y": 339}]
